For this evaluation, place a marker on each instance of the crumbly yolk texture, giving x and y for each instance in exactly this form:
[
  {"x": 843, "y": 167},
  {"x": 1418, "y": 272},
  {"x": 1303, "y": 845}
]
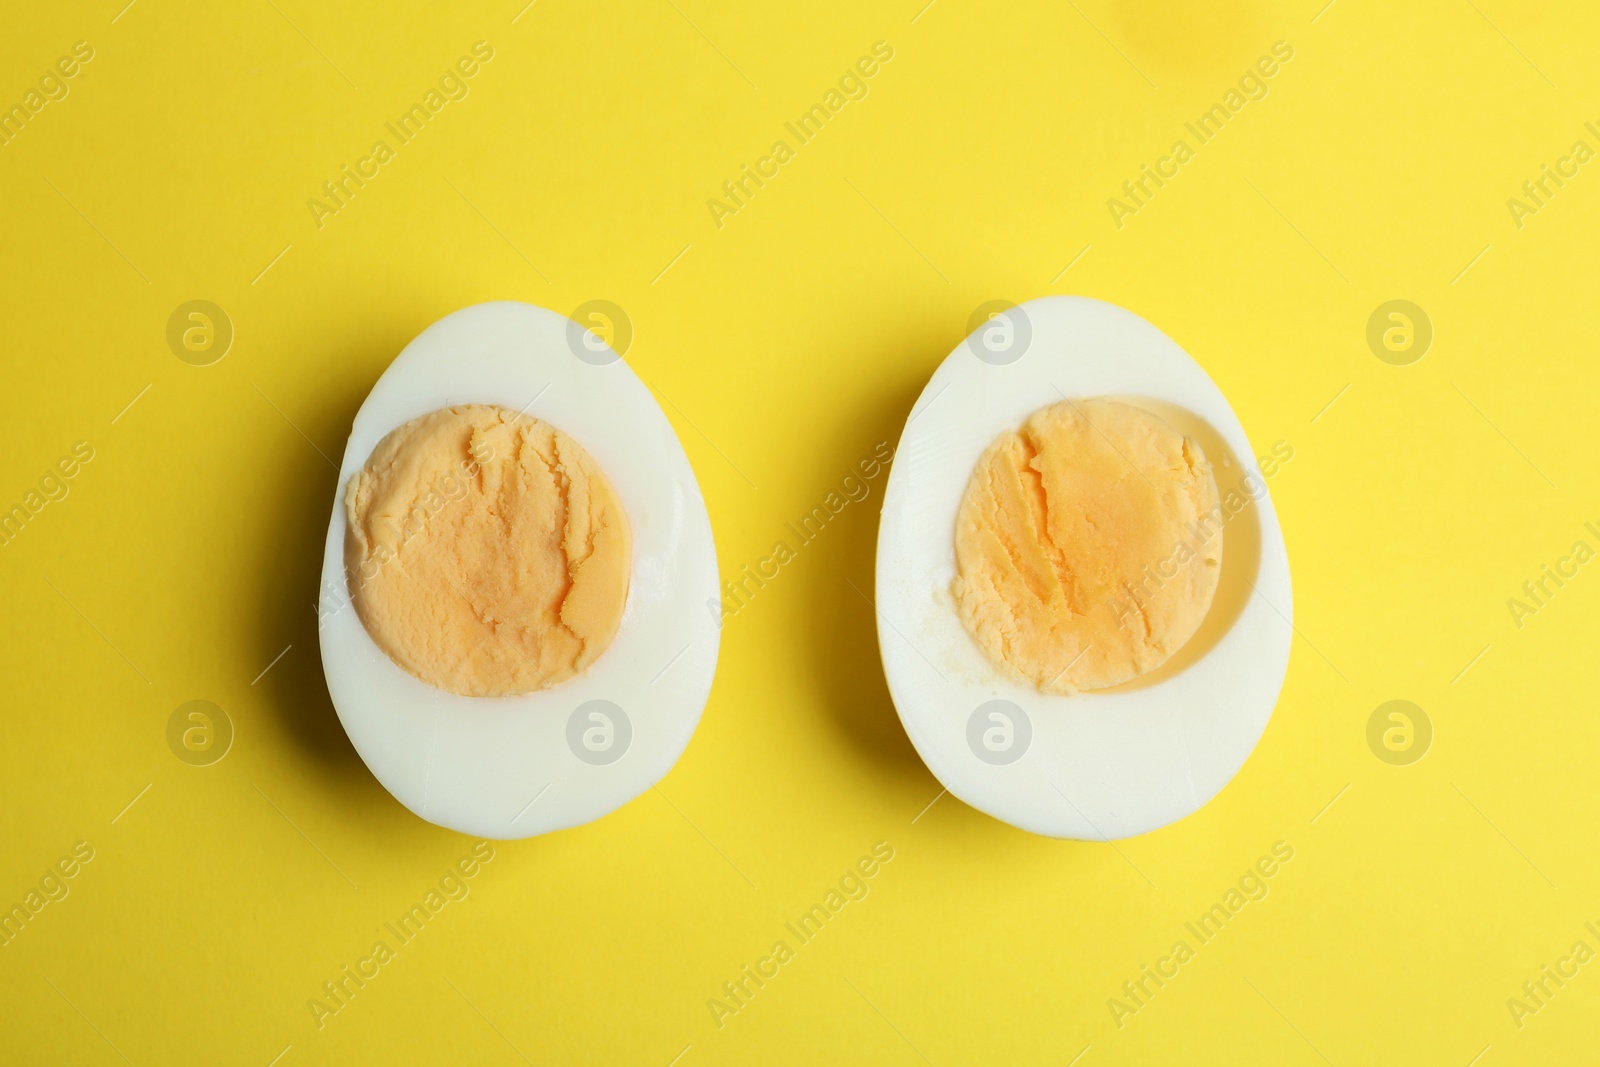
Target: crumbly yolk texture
[
  {"x": 1081, "y": 559},
  {"x": 486, "y": 552}
]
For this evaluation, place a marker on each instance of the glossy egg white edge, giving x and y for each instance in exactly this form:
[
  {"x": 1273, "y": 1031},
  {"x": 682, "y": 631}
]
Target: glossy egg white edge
[
  {"x": 501, "y": 767},
  {"x": 1099, "y": 765}
]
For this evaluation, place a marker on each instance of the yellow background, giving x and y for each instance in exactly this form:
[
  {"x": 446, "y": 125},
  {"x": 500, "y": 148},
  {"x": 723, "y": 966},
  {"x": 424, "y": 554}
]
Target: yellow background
[{"x": 789, "y": 342}]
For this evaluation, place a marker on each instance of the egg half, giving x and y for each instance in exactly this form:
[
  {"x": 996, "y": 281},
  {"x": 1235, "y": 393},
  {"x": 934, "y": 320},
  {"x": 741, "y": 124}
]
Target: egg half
[
  {"x": 516, "y": 766},
  {"x": 1109, "y": 763}
]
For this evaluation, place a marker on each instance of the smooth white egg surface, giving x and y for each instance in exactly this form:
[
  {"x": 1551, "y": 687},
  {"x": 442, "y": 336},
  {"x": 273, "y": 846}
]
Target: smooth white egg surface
[
  {"x": 511, "y": 767},
  {"x": 1114, "y": 762}
]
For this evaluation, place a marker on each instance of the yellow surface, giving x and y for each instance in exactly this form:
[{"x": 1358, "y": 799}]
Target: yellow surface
[
  {"x": 1088, "y": 545},
  {"x": 486, "y": 552},
  {"x": 784, "y": 346}
]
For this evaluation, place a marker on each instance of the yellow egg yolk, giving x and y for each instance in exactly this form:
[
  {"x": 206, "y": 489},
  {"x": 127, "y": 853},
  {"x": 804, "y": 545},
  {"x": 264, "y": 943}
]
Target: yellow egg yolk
[
  {"x": 1085, "y": 553},
  {"x": 486, "y": 552}
]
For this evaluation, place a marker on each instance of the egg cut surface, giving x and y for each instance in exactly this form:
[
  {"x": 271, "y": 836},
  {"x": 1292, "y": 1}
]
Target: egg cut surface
[
  {"x": 1050, "y": 755},
  {"x": 583, "y": 729}
]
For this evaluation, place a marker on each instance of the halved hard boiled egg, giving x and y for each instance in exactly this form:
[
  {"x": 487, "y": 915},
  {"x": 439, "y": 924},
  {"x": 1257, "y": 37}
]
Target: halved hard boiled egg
[
  {"x": 513, "y": 613},
  {"x": 1084, "y": 605}
]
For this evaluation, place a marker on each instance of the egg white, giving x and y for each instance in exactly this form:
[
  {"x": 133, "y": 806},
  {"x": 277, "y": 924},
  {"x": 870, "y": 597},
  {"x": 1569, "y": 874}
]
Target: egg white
[
  {"x": 1100, "y": 765},
  {"x": 502, "y": 767}
]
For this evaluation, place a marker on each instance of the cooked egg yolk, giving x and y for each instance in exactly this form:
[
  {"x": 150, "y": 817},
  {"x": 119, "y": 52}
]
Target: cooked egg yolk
[
  {"x": 486, "y": 552},
  {"x": 1088, "y": 546}
]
